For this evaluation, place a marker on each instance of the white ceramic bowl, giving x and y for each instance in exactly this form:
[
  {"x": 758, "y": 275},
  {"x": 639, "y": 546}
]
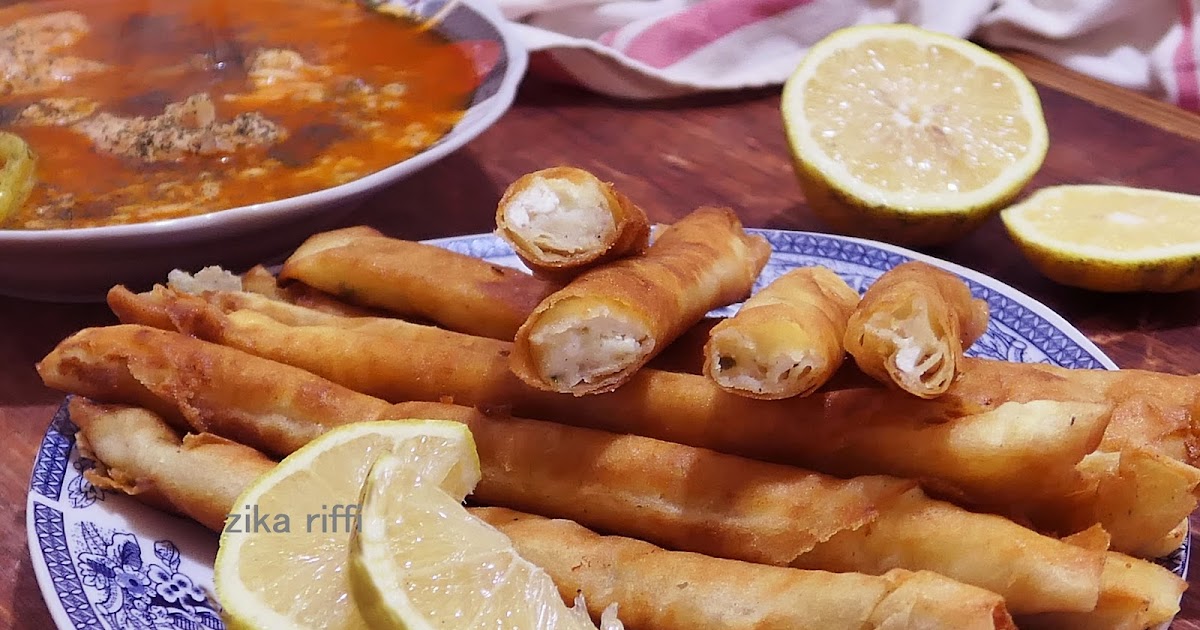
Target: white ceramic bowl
[{"x": 82, "y": 264}]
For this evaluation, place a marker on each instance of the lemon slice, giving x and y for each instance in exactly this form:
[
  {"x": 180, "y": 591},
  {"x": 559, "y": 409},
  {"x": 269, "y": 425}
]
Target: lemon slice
[
  {"x": 285, "y": 566},
  {"x": 421, "y": 561},
  {"x": 1110, "y": 238},
  {"x": 908, "y": 135},
  {"x": 17, "y": 165}
]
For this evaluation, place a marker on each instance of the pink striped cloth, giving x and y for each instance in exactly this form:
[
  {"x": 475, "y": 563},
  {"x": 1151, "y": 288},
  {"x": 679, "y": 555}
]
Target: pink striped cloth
[{"x": 644, "y": 49}]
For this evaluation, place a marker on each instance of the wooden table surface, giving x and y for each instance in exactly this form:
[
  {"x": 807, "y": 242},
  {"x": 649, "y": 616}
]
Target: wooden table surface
[{"x": 672, "y": 157}]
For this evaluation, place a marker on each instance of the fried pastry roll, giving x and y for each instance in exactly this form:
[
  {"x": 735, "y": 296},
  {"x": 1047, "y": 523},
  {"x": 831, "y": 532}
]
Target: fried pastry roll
[
  {"x": 1136, "y": 495},
  {"x": 1152, "y": 410},
  {"x": 912, "y": 327},
  {"x": 563, "y": 220},
  {"x": 260, "y": 280},
  {"x": 672, "y": 590},
  {"x": 363, "y": 267},
  {"x": 201, "y": 476},
  {"x": 162, "y": 307},
  {"x": 203, "y": 386},
  {"x": 697, "y": 500},
  {"x": 1135, "y": 595},
  {"x": 592, "y": 335},
  {"x": 677, "y": 496},
  {"x": 786, "y": 340}
]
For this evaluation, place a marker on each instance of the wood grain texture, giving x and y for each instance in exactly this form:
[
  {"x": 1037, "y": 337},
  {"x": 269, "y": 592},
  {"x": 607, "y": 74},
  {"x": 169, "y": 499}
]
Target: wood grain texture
[
  {"x": 1136, "y": 106},
  {"x": 671, "y": 158}
]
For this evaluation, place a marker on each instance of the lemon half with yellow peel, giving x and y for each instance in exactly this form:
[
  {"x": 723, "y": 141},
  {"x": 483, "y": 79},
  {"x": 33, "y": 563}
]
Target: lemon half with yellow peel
[
  {"x": 1110, "y": 238},
  {"x": 910, "y": 136},
  {"x": 296, "y": 576}
]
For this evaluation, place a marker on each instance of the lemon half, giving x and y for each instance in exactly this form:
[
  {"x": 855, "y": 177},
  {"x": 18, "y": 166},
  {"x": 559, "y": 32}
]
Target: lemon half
[
  {"x": 910, "y": 136},
  {"x": 1110, "y": 238}
]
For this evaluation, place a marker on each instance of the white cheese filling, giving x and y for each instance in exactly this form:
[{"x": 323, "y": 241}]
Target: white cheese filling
[
  {"x": 571, "y": 353},
  {"x": 560, "y": 219}
]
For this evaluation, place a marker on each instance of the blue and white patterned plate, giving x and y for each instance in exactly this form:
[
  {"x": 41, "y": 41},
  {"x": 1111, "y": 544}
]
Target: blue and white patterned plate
[{"x": 104, "y": 561}]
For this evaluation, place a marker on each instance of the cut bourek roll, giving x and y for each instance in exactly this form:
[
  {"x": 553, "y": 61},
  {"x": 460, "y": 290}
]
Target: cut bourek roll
[
  {"x": 563, "y": 220},
  {"x": 593, "y": 334},
  {"x": 786, "y": 340}
]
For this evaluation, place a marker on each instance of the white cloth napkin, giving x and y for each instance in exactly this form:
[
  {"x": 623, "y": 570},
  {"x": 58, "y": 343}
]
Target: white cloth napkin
[{"x": 645, "y": 49}]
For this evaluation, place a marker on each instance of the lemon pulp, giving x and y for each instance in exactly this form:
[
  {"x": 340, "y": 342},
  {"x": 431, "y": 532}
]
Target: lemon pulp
[{"x": 909, "y": 135}]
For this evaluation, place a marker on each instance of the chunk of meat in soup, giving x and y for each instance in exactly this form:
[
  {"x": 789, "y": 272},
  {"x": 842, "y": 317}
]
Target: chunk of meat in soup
[
  {"x": 30, "y": 52},
  {"x": 187, "y": 128}
]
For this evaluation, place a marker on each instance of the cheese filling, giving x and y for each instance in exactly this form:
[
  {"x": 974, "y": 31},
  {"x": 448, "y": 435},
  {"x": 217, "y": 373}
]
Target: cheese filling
[
  {"x": 918, "y": 354},
  {"x": 589, "y": 350},
  {"x": 560, "y": 218},
  {"x": 739, "y": 364}
]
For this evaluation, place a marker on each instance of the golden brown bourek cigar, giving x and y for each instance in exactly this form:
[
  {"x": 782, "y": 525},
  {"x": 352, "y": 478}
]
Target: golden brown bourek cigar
[
  {"x": 656, "y": 588},
  {"x": 202, "y": 477},
  {"x": 625, "y": 484},
  {"x": 198, "y": 385},
  {"x": 1135, "y": 595},
  {"x": 456, "y": 291},
  {"x": 155, "y": 308},
  {"x": 592, "y": 335},
  {"x": 258, "y": 279},
  {"x": 786, "y": 340},
  {"x": 563, "y": 220},
  {"x": 912, "y": 326},
  {"x": 1152, "y": 410},
  {"x": 1137, "y": 495},
  {"x": 199, "y": 476}
]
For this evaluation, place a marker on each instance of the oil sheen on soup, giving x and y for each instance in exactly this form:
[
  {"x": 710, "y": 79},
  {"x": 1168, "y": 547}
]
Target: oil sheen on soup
[{"x": 139, "y": 110}]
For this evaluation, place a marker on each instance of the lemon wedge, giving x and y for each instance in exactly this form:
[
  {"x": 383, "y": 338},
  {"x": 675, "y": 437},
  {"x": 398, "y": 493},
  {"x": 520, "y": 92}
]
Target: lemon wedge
[
  {"x": 910, "y": 136},
  {"x": 287, "y": 568},
  {"x": 1110, "y": 238},
  {"x": 422, "y": 561}
]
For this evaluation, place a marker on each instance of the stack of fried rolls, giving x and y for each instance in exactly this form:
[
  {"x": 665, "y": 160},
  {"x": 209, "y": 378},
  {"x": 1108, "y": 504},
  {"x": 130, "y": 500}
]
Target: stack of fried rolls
[
  {"x": 669, "y": 494},
  {"x": 994, "y": 442},
  {"x": 201, "y": 476},
  {"x": 1041, "y": 485}
]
